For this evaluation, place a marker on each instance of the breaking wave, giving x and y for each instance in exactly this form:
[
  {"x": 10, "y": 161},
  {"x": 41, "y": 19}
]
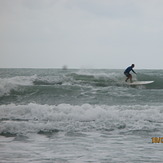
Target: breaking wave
[
  {"x": 8, "y": 84},
  {"x": 76, "y": 87},
  {"x": 49, "y": 119}
]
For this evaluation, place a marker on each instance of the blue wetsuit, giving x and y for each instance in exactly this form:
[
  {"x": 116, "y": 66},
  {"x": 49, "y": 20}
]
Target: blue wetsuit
[{"x": 127, "y": 71}]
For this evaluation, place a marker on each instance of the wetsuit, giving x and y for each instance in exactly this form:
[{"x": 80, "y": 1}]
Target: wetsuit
[{"x": 127, "y": 71}]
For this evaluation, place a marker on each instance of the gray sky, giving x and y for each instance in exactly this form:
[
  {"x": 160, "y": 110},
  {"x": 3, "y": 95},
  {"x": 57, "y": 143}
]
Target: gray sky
[{"x": 81, "y": 33}]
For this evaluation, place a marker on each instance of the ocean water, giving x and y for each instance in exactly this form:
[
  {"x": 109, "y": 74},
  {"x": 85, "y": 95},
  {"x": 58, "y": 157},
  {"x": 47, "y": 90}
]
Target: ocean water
[{"x": 79, "y": 116}]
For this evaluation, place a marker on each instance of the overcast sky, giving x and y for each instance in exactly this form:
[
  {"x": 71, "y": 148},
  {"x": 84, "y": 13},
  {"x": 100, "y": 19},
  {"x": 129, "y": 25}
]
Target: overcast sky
[{"x": 81, "y": 33}]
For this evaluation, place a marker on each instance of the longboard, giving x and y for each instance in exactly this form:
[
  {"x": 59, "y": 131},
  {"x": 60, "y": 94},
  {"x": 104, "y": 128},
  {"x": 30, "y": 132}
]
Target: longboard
[{"x": 140, "y": 82}]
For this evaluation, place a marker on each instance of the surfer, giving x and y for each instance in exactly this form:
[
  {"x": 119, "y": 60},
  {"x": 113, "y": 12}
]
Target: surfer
[{"x": 127, "y": 72}]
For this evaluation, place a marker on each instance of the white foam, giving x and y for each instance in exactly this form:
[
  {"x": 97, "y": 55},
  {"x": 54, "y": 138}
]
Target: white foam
[
  {"x": 36, "y": 117},
  {"x": 8, "y": 84}
]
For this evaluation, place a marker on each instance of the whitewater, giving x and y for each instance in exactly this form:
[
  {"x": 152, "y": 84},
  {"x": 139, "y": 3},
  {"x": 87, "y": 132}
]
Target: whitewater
[{"x": 83, "y": 116}]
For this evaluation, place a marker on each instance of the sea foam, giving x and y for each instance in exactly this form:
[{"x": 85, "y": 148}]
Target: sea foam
[
  {"x": 8, "y": 84},
  {"x": 22, "y": 119}
]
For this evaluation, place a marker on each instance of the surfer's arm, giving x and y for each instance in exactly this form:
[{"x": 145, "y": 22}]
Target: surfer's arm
[{"x": 133, "y": 71}]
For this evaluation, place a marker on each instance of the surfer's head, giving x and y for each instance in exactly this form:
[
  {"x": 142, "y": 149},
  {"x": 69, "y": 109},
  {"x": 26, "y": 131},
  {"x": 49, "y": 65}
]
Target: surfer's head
[{"x": 133, "y": 65}]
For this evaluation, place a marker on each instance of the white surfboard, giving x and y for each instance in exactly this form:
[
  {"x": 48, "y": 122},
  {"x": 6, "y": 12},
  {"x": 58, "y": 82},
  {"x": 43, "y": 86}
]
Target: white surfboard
[{"x": 140, "y": 82}]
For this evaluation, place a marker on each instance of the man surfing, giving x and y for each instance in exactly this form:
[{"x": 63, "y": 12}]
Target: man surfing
[{"x": 127, "y": 72}]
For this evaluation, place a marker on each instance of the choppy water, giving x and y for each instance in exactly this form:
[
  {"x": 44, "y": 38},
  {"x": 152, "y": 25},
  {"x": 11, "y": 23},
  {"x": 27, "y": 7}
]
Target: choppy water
[{"x": 52, "y": 115}]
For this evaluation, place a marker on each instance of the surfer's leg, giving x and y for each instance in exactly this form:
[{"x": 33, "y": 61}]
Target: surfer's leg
[
  {"x": 127, "y": 79},
  {"x": 130, "y": 78},
  {"x": 127, "y": 75}
]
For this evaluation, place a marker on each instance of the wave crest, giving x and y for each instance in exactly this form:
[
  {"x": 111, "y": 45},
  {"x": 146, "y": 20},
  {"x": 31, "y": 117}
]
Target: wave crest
[{"x": 8, "y": 84}]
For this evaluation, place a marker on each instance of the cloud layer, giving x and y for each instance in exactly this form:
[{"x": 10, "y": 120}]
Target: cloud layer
[{"x": 91, "y": 34}]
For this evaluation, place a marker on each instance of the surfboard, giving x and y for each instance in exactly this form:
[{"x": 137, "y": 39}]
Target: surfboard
[{"x": 140, "y": 82}]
